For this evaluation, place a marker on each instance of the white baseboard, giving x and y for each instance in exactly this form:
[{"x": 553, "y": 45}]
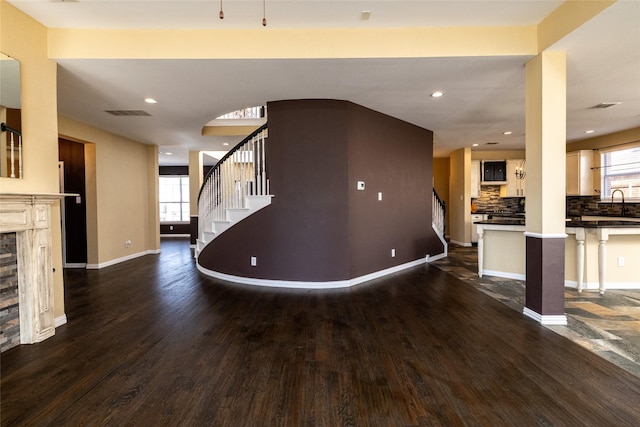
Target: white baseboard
[
  {"x": 75, "y": 265},
  {"x": 61, "y": 320},
  {"x": 174, "y": 235},
  {"x": 595, "y": 286},
  {"x": 309, "y": 285},
  {"x": 433, "y": 258},
  {"x": 558, "y": 319},
  {"x": 123, "y": 259},
  {"x": 465, "y": 244},
  {"x": 505, "y": 274}
]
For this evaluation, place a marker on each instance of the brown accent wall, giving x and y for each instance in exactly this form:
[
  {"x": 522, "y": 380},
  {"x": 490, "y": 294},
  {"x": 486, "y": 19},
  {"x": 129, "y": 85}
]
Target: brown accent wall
[
  {"x": 544, "y": 292},
  {"x": 319, "y": 227},
  {"x": 394, "y": 158}
]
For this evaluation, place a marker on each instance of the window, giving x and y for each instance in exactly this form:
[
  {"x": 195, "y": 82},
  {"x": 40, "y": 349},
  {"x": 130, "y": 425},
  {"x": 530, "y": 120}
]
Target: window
[
  {"x": 620, "y": 170},
  {"x": 174, "y": 198}
]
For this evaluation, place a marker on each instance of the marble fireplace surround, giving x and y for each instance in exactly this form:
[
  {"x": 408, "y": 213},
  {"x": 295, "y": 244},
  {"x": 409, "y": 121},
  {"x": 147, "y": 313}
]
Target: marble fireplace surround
[{"x": 29, "y": 216}]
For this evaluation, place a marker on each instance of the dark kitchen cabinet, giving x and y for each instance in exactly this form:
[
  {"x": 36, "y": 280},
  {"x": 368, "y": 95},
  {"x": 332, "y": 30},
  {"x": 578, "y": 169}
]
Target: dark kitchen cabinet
[{"x": 494, "y": 171}]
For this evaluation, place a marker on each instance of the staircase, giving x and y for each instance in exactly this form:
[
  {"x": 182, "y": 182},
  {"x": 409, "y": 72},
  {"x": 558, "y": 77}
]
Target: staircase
[
  {"x": 235, "y": 188},
  {"x": 438, "y": 211}
]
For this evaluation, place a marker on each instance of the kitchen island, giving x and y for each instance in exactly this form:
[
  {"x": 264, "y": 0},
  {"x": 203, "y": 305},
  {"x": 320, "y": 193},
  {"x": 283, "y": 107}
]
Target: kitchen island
[{"x": 599, "y": 254}]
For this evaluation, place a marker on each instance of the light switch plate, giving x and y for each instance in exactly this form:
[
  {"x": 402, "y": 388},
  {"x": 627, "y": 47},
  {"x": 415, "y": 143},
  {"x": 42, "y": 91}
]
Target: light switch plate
[{"x": 360, "y": 185}]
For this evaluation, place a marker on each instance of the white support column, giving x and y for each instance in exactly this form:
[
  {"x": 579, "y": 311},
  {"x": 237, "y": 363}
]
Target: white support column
[
  {"x": 480, "y": 249},
  {"x": 580, "y": 237},
  {"x": 545, "y": 155},
  {"x": 603, "y": 236}
]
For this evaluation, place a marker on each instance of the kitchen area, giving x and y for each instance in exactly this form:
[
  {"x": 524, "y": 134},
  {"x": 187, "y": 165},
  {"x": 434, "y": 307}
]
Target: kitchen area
[
  {"x": 602, "y": 248},
  {"x": 497, "y": 191}
]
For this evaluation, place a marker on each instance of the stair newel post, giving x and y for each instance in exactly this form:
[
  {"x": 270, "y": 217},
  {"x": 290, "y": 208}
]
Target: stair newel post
[
  {"x": 262, "y": 165},
  {"x": 254, "y": 173}
]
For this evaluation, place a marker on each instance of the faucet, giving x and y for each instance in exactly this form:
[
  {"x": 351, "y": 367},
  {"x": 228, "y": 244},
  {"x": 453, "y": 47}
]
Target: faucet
[{"x": 622, "y": 194}]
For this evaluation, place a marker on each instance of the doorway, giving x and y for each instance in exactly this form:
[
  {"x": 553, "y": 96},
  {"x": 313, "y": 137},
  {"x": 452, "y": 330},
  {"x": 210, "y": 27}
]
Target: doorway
[{"x": 74, "y": 209}]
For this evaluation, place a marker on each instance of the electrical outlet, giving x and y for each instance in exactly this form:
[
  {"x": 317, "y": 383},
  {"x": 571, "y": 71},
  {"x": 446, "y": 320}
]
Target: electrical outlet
[
  {"x": 393, "y": 253},
  {"x": 360, "y": 185},
  {"x": 254, "y": 261},
  {"x": 127, "y": 243},
  {"x": 620, "y": 261}
]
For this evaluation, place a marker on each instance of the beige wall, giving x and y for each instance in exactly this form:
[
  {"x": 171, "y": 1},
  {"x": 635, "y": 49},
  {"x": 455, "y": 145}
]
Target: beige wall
[
  {"x": 24, "y": 39},
  {"x": 505, "y": 251},
  {"x": 441, "y": 185},
  {"x": 617, "y": 139},
  {"x": 460, "y": 196},
  {"x": 122, "y": 185}
]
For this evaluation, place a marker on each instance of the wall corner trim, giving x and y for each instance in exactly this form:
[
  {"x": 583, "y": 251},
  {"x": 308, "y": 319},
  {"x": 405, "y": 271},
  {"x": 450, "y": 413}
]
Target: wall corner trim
[
  {"x": 558, "y": 319},
  {"x": 294, "y": 284},
  {"x": 546, "y": 236}
]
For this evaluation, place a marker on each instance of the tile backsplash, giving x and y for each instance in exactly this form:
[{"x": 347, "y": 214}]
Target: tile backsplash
[
  {"x": 490, "y": 200},
  {"x": 592, "y": 205}
]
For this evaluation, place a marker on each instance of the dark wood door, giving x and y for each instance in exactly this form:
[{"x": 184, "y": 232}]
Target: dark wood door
[{"x": 72, "y": 155}]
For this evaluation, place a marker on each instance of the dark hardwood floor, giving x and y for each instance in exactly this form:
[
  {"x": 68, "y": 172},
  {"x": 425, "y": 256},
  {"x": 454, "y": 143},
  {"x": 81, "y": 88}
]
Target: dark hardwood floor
[{"x": 153, "y": 342}]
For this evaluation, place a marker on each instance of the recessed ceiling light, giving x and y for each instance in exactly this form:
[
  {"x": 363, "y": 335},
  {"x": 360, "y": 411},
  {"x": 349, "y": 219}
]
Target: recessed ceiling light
[
  {"x": 168, "y": 153},
  {"x": 150, "y": 101},
  {"x": 475, "y": 145},
  {"x": 508, "y": 132},
  {"x": 225, "y": 143},
  {"x": 365, "y": 15},
  {"x": 589, "y": 131},
  {"x": 437, "y": 94}
]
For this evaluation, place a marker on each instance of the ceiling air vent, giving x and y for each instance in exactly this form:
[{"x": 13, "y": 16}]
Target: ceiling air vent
[
  {"x": 127, "y": 112},
  {"x": 604, "y": 105}
]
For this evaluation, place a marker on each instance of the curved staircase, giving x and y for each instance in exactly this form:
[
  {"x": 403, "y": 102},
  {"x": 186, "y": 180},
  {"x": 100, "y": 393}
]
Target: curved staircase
[{"x": 235, "y": 188}]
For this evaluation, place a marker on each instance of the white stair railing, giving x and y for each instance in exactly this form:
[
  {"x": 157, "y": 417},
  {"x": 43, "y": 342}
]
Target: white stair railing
[
  {"x": 438, "y": 214},
  {"x": 240, "y": 173}
]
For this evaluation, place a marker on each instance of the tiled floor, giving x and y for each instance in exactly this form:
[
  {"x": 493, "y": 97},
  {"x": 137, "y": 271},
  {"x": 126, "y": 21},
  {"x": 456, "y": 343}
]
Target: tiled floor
[{"x": 608, "y": 325}]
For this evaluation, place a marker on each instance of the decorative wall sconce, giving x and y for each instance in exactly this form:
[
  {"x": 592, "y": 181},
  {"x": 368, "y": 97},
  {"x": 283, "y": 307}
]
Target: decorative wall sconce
[{"x": 520, "y": 172}]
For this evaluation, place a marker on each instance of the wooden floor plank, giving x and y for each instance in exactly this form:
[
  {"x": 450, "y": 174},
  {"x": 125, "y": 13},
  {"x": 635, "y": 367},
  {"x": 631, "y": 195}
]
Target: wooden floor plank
[{"x": 153, "y": 342}]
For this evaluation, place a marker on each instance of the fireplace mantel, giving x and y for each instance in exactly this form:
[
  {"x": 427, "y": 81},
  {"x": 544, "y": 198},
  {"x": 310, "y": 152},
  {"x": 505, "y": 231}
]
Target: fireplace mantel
[{"x": 29, "y": 216}]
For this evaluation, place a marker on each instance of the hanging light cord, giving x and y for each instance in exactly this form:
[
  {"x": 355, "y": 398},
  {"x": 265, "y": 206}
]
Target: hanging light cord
[{"x": 264, "y": 13}]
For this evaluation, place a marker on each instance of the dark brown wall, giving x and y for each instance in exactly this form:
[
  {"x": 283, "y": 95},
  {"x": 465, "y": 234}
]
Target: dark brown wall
[
  {"x": 302, "y": 235},
  {"x": 395, "y": 158},
  {"x": 319, "y": 227},
  {"x": 72, "y": 154}
]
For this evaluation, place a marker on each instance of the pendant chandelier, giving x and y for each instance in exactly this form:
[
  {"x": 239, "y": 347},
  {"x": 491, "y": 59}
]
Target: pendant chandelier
[{"x": 264, "y": 12}]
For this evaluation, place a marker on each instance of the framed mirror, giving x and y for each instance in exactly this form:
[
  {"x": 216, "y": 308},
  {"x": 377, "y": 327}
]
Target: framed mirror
[{"x": 10, "y": 118}]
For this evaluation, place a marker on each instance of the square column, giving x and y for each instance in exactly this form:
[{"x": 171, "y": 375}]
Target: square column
[
  {"x": 195, "y": 182},
  {"x": 546, "y": 175}
]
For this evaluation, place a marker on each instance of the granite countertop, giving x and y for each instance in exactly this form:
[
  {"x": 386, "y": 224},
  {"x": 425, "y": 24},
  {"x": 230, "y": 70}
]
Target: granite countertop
[{"x": 572, "y": 223}]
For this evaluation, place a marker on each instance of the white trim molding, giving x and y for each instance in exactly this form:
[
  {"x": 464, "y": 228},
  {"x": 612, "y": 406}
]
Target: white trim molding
[
  {"x": 123, "y": 259},
  {"x": 75, "y": 265},
  {"x": 546, "y": 235},
  {"x": 293, "y": 284},
  {"x": 505, "y": 274},
  {"x": 467, "y": 244},
  {"x": 546, "y": 319},
  {"x": 61, "y": 320}
]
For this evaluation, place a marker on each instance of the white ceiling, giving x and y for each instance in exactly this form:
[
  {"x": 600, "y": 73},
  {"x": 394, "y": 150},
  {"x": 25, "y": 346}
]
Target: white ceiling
[{"x": 484, "y": 96}]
